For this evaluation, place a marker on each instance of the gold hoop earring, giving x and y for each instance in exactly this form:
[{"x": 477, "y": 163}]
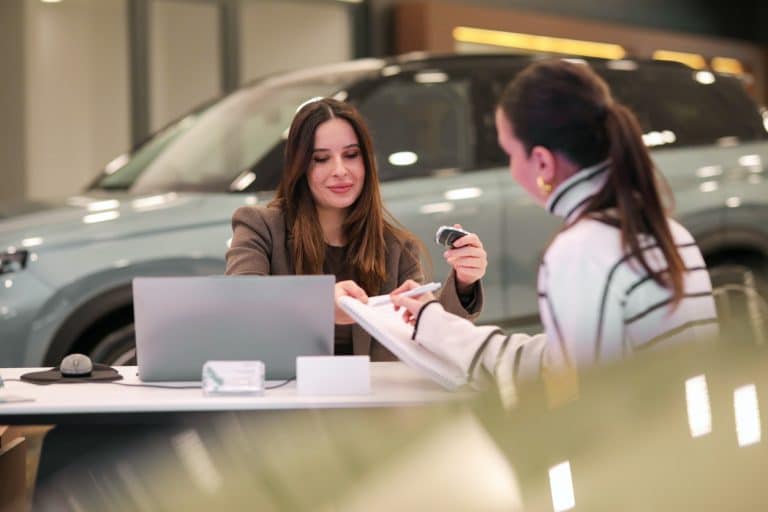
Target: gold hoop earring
[{"x": 544, "y": 187}]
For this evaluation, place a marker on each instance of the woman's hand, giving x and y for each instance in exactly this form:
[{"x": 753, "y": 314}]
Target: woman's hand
[
  {"x": 468, "y": 259},
  {"x": 412, "y": 305},
  {"x": 346, "y": 289}
]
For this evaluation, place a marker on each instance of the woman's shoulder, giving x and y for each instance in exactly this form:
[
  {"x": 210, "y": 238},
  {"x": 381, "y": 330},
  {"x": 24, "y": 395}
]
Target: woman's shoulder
[
  {"x": 597, "y": 230},
  {"x": 399, "y": 240},
  {"x": 679, "y": 233},
  {"x": 256, "y": 215},
  {"x": 585, "y": 232}
]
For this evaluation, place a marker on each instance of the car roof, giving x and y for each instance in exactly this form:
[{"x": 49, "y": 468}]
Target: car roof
[
  {"x": 417, "y": 61},
  {"x": 420, "y": 60}
]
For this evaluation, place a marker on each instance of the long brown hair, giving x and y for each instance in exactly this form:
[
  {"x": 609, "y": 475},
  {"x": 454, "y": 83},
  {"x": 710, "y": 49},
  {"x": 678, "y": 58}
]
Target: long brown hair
[
  {"x": 567, "y": 108},
  {"x": 367, "y": 221}
]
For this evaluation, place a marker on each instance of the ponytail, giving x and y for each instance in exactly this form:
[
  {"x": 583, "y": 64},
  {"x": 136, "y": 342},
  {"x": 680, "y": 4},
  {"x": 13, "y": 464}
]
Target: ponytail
[{"x": 632, "y": 189}]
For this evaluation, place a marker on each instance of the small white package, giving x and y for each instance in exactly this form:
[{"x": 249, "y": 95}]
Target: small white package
[{"x": 233, "y": 377}]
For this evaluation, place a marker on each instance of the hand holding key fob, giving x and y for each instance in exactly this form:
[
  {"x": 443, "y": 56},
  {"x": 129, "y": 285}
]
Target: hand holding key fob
[{"x": 446, "y": 235}]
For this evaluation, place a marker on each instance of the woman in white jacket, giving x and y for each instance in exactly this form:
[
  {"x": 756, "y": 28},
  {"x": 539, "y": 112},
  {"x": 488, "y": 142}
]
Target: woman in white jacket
[{"x": 620, "y": 276}]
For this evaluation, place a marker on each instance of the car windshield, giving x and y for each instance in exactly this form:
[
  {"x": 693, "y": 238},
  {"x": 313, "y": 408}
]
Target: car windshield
[{"x": 208, "y": 149}]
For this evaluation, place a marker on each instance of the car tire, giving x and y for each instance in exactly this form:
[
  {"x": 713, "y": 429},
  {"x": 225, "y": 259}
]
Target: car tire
[
  {"x": 117, "y": 348},
  {"x": 741, "y": 297}
]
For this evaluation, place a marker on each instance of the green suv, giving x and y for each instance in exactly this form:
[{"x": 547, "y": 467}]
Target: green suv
[{"x": 164, "y": 209}]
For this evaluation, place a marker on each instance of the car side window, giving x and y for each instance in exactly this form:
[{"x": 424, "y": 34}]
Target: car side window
[
  {"x": 674, "y": 106},
  {"x": 678, "y": 107},
  {"x": 704, "y": 112},
  {"x": 421, "y": 124}
]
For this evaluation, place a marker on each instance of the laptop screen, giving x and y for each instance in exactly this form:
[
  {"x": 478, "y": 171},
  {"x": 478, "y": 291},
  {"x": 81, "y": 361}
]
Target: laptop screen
[{"x": 182, "y": 322}]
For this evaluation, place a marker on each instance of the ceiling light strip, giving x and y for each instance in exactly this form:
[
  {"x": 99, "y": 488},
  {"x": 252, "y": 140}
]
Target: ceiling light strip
[
  {"x": 692, "y": 60},
  {"x": 538, "y": 43}
]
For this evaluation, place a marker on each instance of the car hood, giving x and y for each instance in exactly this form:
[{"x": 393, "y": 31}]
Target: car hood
[{"x": 91, "y": 218}]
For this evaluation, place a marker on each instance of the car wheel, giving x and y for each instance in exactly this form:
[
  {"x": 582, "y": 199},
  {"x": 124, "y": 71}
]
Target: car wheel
[
  {"x": 117, "y": 348},
  {"x": 740, "y": 295}
]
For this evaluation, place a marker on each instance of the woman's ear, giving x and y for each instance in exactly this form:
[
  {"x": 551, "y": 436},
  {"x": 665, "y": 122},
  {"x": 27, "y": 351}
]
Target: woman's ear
[{"x": 545, "y": 163}]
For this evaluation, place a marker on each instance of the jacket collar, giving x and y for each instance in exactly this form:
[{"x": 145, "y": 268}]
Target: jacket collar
[{"x": 570, "y": 197}]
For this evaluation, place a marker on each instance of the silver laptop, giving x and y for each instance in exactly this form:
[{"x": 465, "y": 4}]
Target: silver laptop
[{"x": 182, "y": 322}]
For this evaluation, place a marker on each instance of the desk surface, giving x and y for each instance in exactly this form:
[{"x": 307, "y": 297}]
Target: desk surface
[{"x": 392, "y": 385}]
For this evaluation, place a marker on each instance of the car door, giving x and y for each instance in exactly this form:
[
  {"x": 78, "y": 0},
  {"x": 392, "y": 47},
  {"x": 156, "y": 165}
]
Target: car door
[{"x": 424, "y": 127}]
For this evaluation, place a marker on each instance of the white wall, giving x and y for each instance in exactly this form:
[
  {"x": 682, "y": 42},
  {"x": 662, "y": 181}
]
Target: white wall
[
  {"x": 184, "y": 57},
  {"x": 277, "y": 35},
  {"x": 77, "y": 92}
]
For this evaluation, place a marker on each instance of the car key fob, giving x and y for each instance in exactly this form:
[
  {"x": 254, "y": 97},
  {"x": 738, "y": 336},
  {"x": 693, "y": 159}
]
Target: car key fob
[{"x": 446, "y": 235}]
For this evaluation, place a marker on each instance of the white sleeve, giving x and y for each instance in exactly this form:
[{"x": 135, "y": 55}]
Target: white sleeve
[{"x": 471, "y": 347}]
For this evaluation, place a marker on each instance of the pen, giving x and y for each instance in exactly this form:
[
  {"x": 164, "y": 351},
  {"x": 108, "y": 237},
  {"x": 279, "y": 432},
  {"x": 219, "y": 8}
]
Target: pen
[{"x": 382, "y": 300}]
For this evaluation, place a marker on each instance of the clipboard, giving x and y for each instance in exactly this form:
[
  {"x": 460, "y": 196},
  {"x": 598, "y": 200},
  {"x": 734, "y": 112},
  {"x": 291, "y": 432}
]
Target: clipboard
[{"x": 387, "y": 326}]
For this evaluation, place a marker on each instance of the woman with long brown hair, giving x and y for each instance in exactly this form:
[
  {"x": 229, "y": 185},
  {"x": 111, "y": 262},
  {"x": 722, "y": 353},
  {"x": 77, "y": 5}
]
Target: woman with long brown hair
[
  {"x": 621, "y": 276},
  {"x": 328, "y": 218}
]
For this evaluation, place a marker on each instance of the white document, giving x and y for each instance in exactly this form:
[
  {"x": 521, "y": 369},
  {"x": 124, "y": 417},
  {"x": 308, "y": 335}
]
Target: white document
[{"x": 386, "y": 325}]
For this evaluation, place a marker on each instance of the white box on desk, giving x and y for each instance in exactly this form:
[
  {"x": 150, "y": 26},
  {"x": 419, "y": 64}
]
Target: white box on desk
[{"x": 333, "y": 375}]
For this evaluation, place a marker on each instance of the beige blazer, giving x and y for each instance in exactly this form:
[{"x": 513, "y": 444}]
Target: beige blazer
[{"x": 261, "y": 245}]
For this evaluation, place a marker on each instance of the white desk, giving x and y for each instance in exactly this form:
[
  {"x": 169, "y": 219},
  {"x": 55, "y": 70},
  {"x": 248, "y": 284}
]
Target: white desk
[
  {"x": 96, "y": 418},
  {"x": 392, "y": 385}
]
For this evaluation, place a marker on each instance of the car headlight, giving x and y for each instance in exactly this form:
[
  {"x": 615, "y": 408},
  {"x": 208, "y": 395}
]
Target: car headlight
[{"x": 13, "y": 261}]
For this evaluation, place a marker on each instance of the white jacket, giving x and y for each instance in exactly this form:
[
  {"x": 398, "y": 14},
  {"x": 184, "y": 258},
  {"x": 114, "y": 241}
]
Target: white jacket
[{"x": 596, "y": 303}]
